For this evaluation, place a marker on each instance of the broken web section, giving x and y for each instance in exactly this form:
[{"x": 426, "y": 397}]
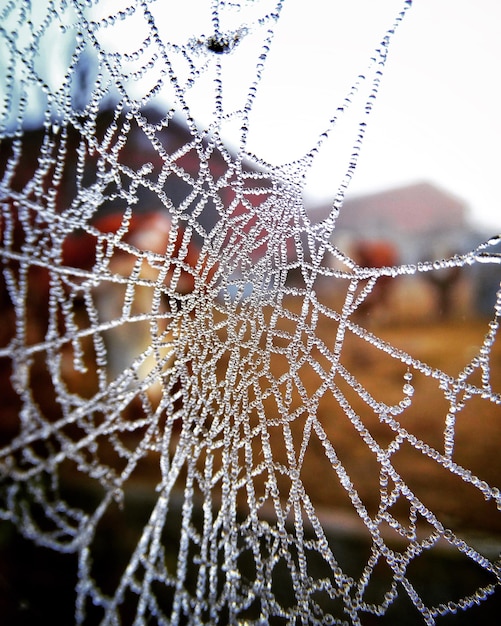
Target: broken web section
[{"x": 198, "y": 412}]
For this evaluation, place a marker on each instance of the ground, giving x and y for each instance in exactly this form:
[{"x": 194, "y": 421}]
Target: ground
[{"x": 445, "y": 345}]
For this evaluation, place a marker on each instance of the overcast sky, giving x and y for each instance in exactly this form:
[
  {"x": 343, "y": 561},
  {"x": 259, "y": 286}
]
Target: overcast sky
[{"x": 437, "y": 117}]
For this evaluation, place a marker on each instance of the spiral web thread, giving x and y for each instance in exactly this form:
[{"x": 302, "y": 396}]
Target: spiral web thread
[{"x": 178, "y": 355}]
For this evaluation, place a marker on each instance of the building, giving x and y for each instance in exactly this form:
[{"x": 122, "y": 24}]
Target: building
[{"x": 421, "y": 220}]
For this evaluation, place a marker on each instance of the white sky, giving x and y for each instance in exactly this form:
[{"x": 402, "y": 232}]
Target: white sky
[
  {"x": 437, "y": 117},
  {"x": 438, "y": 114}
]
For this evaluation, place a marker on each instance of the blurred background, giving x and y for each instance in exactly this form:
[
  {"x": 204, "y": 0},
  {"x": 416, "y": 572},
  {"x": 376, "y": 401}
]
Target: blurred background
[{"x": 425, "y": 188}]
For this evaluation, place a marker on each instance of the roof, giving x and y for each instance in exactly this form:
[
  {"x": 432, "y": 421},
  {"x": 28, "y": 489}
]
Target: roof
[{"x": 418, "y": 209}]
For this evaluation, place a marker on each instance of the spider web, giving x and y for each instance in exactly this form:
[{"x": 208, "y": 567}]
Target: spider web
[{"x": 178, "y": 378}]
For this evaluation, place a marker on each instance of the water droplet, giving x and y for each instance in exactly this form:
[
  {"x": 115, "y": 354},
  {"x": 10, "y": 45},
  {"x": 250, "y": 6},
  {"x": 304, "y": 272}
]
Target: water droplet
[{"x": 408, "y": 389}]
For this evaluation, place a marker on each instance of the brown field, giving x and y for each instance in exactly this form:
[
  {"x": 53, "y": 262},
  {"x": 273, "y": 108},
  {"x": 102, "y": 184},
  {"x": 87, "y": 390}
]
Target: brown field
[
  {"x": 447, "y": 346},
  {"x": 444, "y": 345}
]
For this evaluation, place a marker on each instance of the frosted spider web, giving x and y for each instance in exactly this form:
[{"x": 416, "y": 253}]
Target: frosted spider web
[{"x": 182, "y": 381}]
